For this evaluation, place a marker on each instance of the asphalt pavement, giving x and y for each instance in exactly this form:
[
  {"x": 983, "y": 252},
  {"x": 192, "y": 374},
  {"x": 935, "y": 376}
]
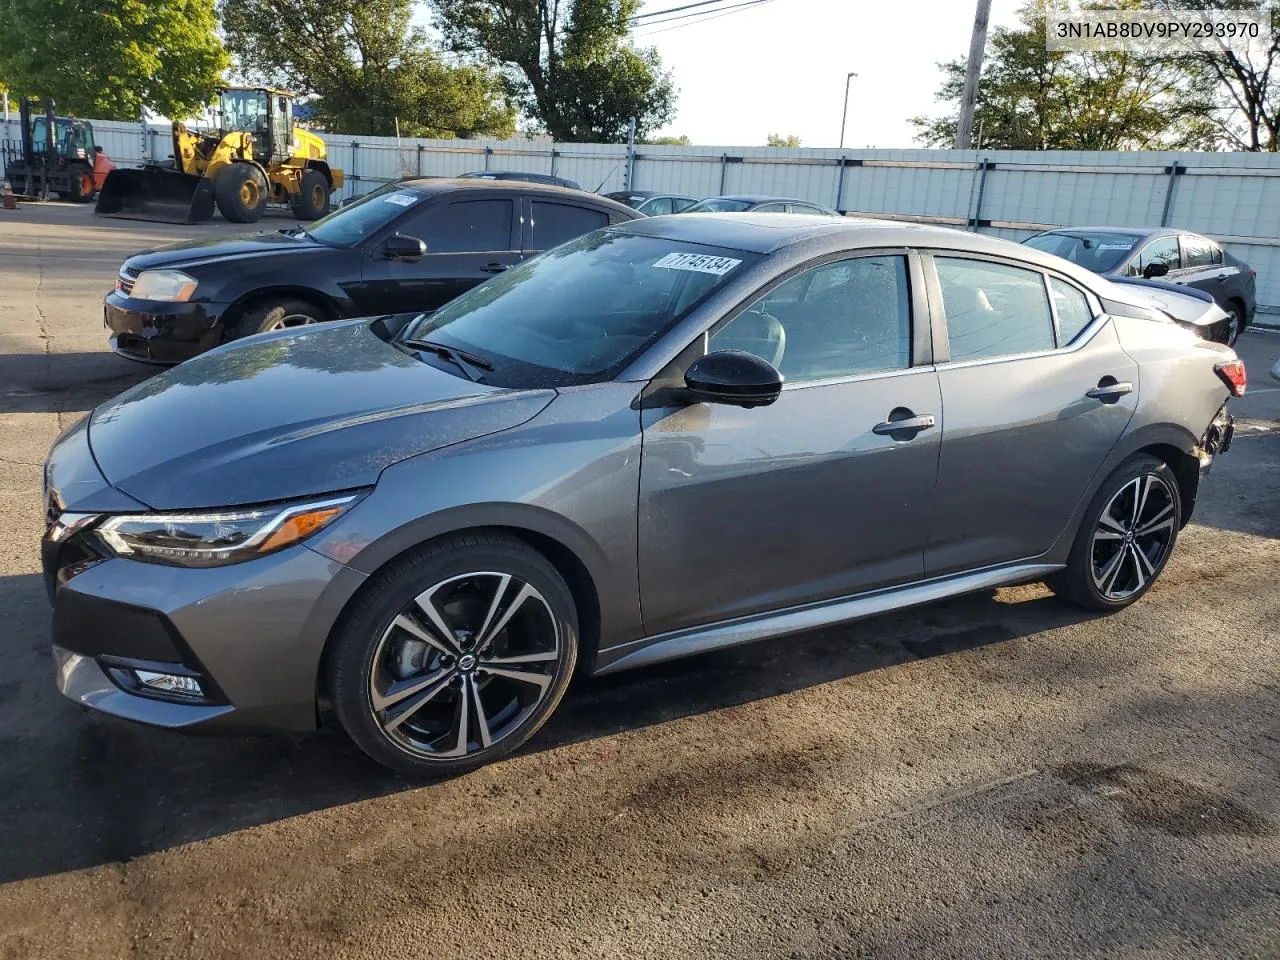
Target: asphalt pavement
[{"x": 999, "y": 775}]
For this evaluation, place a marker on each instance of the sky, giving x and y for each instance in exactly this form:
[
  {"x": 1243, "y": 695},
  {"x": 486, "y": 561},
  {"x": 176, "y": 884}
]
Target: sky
[{"x": 780, "y": 67}]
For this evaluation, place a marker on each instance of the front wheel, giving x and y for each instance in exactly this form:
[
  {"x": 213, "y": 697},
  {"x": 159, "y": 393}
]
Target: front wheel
[
  {"x": 311, "y": 202},
  {"x": 455, "y": 655},
  {"x": 267, "y": 316},
  {"x": 241, "y": 192},
  {"x": 1125, "y": 539},
  {"x": 82, "y": 190}
]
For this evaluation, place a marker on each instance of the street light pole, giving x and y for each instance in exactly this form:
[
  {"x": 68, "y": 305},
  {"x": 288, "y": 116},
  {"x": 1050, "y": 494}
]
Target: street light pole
[
  {"x": 845, "y": 114},
  {"x": 972, "y": 73}
]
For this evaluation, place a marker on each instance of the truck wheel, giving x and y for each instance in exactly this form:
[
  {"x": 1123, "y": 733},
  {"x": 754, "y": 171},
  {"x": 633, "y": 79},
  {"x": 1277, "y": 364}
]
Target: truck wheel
[
  {"x": 311, "y": 202},
  {"x": 241, "y": 192},
  {"x": 81, "y": 185}
]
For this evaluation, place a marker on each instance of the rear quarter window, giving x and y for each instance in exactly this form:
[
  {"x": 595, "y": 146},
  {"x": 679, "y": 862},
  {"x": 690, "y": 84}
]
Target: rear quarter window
[{"x": 557, "y": 223}]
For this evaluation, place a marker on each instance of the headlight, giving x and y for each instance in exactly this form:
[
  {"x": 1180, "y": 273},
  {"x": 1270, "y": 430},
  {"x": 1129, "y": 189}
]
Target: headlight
[
  {"x": 163, "y": 285},
  {"x": 217, "y": 539}
]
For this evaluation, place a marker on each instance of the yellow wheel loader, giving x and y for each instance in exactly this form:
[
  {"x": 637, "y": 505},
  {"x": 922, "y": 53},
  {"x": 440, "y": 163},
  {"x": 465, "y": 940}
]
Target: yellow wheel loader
[{"x": 253, "y": 156}]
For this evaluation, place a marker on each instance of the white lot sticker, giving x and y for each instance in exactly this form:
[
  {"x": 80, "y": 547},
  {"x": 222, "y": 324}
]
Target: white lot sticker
[
  {"x": 698, "y": 263},
  {"x": 1115, "y": 246},
  {"x": 401, "y": 199}
]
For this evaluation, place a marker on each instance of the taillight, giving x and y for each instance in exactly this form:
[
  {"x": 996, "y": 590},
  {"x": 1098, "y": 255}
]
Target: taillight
[{"x": 1233, "y": 374}]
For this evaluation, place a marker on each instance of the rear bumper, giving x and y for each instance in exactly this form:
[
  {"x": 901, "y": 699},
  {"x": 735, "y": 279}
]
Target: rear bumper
[{"x": 157, "y": 332}]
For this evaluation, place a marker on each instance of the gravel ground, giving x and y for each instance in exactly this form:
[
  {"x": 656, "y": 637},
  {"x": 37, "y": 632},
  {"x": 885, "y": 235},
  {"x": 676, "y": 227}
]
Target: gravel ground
[{"x": 998, "y": 775}]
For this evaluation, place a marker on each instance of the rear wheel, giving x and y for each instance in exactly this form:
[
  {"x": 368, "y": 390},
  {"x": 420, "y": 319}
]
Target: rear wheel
[
  {"x": 280, "y": 314},
  {"x": 455, "y": 655},
  {"x": 1235, "y": 323},
  {"x": 241, "y": 192},
  {"x": 1126, "y": 538},
  {"x": 311, "y": 202}
]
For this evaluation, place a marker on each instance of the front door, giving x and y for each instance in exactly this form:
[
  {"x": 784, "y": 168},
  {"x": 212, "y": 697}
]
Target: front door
[
  {"x": 468, "y": 241},
  {"x": 815, "y": 496},
  {"x": 1037, "y": 392}
]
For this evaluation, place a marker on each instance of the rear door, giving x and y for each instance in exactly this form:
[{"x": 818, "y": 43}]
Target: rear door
[
  {"x": 469, "y": 240},
  {"x": 550, "y": 222},
  {"x": 1036, "y": 389}
]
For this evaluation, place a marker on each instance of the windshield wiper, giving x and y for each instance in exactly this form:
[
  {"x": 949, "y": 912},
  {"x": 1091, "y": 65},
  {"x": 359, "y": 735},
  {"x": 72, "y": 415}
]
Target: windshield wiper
[{"x": 468, "y": 363}]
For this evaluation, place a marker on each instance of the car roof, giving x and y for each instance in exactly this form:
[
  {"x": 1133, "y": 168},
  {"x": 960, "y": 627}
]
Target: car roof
[
  {"x": 431, "y": 186},
  {"x": 1141, "y": 231},
  {"x": 759, "y": 198},
  {"x": 766, "y": 233}
]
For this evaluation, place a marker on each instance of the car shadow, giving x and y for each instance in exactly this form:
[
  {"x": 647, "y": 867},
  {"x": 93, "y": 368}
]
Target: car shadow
[
  {"x": 82, "y": 789},
  {"x": 59, "y": 382}
]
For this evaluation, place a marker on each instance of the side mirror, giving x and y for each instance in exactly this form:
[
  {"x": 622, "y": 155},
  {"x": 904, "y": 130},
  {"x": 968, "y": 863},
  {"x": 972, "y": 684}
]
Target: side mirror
[
  {"x": 734, "y": 377},
  {"x": 401, "y": 247},
  {"x": 1153, "y": 270}
]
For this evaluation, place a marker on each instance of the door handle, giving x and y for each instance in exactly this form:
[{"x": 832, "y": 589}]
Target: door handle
[
  {"x": 494, "y": 267},
  {"x": 1109, "y": 392},
  {"x": 912, "y": 425}
]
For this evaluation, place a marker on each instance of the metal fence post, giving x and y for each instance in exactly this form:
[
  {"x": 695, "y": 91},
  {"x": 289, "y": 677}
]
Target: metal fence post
[
  {"x": 488, "y": 152},
  {"x": 1174, "y": 170},
  {"x": 983, "y": 166},
  {"x": 419, "y": 167},
  {"x": 724, "y": 171},
  {"x": 840, "y": 185},
  {"x": 554, "y": 156},
  {"x": 628, "y": 177},
  {"x": 355, "y": 170}
]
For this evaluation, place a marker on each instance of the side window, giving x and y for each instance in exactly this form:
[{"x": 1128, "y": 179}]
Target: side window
[
  {"x": 836, "y": 320},
  {"x": 993, "y": 310},
  {"x": 771, "y": 208},
  {"x": 1199, "y": 252},
  {"x": 679, "y": 203},
  {"x": 554, "y": 223},
  {"x": 469, "y": 226},
  {"x": 1073, "y": 310},
  {"x": 658, "y": 206},
  {"x": 1164, "y": 250},
  {"x": 804, "y": 208}
]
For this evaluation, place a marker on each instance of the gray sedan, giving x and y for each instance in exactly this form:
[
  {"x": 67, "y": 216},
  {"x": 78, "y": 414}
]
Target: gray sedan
[
  {"x": 662, "y": 438},
  {"x": 1162, "y": 252}
]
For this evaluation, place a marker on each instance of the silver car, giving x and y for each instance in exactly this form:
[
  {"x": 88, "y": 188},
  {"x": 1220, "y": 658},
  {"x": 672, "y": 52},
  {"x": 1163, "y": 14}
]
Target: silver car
[{"x": 666, "y": 437}]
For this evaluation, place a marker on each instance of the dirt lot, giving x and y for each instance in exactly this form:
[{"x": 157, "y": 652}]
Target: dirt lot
[{"x": 995, "y": 776}]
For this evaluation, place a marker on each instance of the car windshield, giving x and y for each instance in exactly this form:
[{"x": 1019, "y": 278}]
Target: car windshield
[
  {"x": 351, "y": 225},
  {"x": 581, "y": 311},
  {"x": 1099, "y": 252},
  {"x": 717, "y": 205}
]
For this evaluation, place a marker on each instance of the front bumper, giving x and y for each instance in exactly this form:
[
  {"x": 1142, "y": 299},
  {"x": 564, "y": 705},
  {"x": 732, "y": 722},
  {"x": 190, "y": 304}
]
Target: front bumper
[
  {"x": 250, "y": 633},
  {"x": 158, "y": 332}
]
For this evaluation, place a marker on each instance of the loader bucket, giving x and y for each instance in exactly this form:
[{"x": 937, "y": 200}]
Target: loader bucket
[{"x": 156, "y": 193}]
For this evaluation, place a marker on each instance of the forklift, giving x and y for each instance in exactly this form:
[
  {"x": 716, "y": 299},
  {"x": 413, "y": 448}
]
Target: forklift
[{"x": 55, "y": 155}]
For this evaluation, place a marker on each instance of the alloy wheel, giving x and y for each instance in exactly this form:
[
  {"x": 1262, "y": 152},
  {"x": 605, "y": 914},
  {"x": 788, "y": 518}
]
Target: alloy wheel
[
  {"x": 289, "y": 320},
  {"x": 1132, "y": 538},
  {"x": 1234, "y": 325},
  {"x": 463, "y": 665}
]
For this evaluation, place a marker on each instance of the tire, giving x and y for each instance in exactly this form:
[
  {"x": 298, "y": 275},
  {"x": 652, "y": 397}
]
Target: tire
[
  {"x": 1090, "y": 580},
  {"x": 82, "y": 190},
  {"x": 266, "y": 316},
  {"x": 514, "y": 676},
  {"x": 1237, "y": 323},
  {"x": 240, "y": 190},
  {"x": 311, "y": 202}
]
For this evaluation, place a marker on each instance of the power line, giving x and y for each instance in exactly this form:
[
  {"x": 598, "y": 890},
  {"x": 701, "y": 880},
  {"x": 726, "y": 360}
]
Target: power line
[
  {"x": 658, "y": 13},
  {"x": 705, "y": 16},
  {"x": 701, "y": 13}
]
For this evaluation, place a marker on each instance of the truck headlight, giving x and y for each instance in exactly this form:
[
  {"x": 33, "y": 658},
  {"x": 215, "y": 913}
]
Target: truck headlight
[
  {"x": 215, "y": 539},
  {"x": 172, "y": 285}
]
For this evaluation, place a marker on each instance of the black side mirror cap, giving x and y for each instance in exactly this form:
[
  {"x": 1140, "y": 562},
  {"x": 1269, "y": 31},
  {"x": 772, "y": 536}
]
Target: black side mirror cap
[
  {"x": 400, "y": 247},
  {"x": 734, "y": 377},
  {"x": 1153, "y": 270}
]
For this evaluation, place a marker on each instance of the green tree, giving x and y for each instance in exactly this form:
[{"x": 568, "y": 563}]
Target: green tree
[
  {"x": 110, "y": 58},
  {"x": 567, "y": 63},
  {"x": 367, "y": 66},
  {"x": 1030, "y": 98},
  {"x": 680, "y": 141},
  {"x": 782, "y": 140},
  {"x": 1241, "y": 91}
]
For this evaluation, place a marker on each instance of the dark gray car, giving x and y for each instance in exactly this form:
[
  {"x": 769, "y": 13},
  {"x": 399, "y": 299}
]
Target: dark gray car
[
  {"x": 665, "y": 437},
  {"x": 1178, "y": 256}
]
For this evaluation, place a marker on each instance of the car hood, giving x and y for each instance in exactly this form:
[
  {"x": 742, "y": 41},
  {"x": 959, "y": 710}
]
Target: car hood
[
  {"x": 290, "y": 414},
  {"x": 191, "y": 253}
]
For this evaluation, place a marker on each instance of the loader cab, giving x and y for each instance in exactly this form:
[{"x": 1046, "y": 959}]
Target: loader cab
[
  {"x": 267, "y": 115},
  {"x": 72, "y": 139}
]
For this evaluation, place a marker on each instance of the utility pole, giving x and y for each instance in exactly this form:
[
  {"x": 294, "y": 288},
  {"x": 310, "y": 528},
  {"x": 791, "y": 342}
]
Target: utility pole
[
  {"x": 845, "y": 113},
  {"x": 973, "y": 69}
]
